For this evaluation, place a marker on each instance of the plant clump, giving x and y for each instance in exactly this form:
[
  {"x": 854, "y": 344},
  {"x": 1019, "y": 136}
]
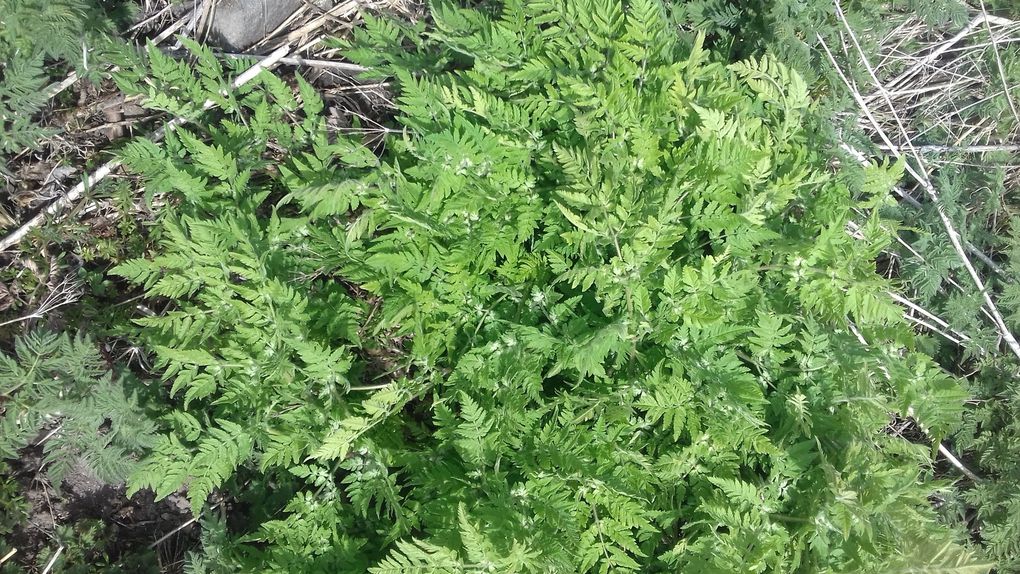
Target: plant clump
[{"x": 593, "y": 308}]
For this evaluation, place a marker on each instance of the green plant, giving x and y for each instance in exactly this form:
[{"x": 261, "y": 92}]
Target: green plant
[
  {"x": 55, "y": 391},
  {"x": 89, "y": 546},
  {"x": 33, "y": 35},
  {"x": 595, "y": 309},
  {"x": 981, "y": 203},
  {"x": 975, "y": 184},
  {"x": 789, "y": 30},
  {"x": 12, "y": 505}
]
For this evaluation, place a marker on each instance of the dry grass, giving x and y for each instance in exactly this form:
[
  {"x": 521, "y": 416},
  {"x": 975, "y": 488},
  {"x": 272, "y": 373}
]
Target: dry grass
[
  {"x": 930, "y": 90},
  {"x": 944, "y": 87}
]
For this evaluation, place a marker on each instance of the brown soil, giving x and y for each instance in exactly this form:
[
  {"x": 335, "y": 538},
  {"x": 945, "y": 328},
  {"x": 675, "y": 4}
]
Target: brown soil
[{"x": 123, "y": 530}]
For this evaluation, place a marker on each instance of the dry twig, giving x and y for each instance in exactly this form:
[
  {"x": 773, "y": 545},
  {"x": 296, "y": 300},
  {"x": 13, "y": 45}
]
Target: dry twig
[
  {"x": 935, "y": 148},
  {"x": 53, "y": 560},
  {"x": 8, "y": 556},
  {"x": 66, "y": 292}
]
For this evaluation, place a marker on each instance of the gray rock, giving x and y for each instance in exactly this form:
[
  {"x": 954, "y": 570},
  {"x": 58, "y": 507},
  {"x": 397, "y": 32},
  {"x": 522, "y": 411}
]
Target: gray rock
[{"x": 237, "y": 24}]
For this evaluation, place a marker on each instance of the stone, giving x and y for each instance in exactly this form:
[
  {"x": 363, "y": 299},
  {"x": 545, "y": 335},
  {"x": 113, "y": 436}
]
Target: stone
[{"x": 236, "y": 25}]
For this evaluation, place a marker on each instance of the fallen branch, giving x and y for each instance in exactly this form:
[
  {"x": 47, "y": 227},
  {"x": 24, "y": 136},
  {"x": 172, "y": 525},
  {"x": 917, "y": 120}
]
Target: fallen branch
[
  {"x": 310, "y": 62},
  {"x": 931, "y": 321},
  {"x": 53, "y": 560},
  {"x": 182, "y": 526},
  {"x": 8, "y": 556},
  {"x": 956, "y": 148},
  {"x": 106, "y": 169},
  {"x": 922, "y": 323},
  {"x": 956, "y": 462},
  {"x": 292, "y": 61},
  {"x": 943, "y": 328}
]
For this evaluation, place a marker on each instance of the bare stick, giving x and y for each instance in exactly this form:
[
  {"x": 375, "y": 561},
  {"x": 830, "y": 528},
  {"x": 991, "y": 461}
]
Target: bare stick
[
  {"x": 106, "y": 169},
  {"x": 293, "y": 61},
  {"x": 167, "y": 536},
  {"x": 922, "y": 323},
  {"x": 58, "y": 205},
  {"x": 62, "y": 85},
  {"x": 8, "y": 556},
  {"x": 930, "y": 316},
  {"x": 998, "y": 63},
  {"x": 309, "y": 62},
  {"x": 53, "y": 560},
  {"x": 48, "y": 436},
  {"x": 934, "y": 148},
  {"x": 999, "y": 20},
  {"x": 370, "y": 387},
  {"x": 186, "y": 524},
  {"x": 956, "y": 462},
  {"x": 940, "y": 326}
]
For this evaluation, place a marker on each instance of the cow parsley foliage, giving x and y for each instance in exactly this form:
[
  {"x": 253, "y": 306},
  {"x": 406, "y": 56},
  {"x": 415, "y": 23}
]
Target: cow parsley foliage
[
  {"x": 593, "y": 308},
  {"x": 57, "y": 393}
]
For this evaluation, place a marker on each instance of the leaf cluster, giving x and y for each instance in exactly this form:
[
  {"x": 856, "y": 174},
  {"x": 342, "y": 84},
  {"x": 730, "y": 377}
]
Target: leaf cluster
[
  {"x": 593, "y": 308},
  {"x": 38, "y": 38},
  {"x": 56, "y": 391}
]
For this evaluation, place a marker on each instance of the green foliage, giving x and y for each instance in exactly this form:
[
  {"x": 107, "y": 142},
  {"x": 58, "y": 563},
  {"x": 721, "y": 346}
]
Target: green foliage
[
  {"x": 22, "y": 95},
  {"x": 34, "y": 34},
  {"x": 56, "y": 391},
  {"x": 248, "y": 354},
  {"x": 792, "y": 31},
  {"x": 12, "y": 504},
  {"x": 935, "y": 278},
  {"x": 1004, "y": 8},
  {"x": 594, "y": 310}
]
